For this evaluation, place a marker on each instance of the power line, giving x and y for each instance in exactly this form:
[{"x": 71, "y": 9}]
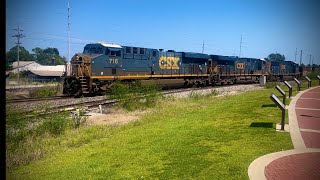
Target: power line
[
  {"x": 310, "y": 60},
  {"x": 240, "y": 46},
  {"x": 68, "y": 31},
  {"x": 18, "y": 36},
  {"x": 202, "y": 46},
  {"x": 295, "y": 55},
  {"x": 300, "y": 57}
]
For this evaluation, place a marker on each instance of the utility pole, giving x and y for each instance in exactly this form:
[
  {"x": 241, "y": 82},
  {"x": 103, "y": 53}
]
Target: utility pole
[
  {"x": 202, "y": 46},
  {"x": 295, "y": 56},
  {"x": 240, "y": 46},
  {"x": 68, "y": 31},
  {"x": 301, "y": 57},
  {"x": 18, "y": 36}
]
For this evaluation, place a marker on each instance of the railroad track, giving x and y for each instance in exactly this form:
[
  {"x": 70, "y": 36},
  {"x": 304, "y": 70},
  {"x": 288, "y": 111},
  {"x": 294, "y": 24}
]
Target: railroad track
[
  {"x": 91, "y": 104},
  {"x": 22, "y": 100}
]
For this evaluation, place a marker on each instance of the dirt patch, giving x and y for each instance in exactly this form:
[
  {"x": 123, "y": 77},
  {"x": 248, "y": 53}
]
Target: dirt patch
[{"x": 113, "y": 117}]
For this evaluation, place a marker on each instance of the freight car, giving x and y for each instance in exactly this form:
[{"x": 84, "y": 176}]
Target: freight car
[{"x": 101, "y": 64}]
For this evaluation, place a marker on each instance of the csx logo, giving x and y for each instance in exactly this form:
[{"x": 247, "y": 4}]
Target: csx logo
[
  {"x": 169, "y": 62},
  {"x": 240, "y": 65}
]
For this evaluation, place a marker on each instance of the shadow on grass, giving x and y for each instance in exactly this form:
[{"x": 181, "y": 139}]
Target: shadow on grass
[
  {"x": 269, "y": 105},
  {"x": 262, "y": 124}
]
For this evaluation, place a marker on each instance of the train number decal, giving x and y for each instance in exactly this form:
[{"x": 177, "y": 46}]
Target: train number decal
[
  {"x": 240, "y": 65},
  {"x": 113, "y": 61},
  {"x": 169, "y": 62}
]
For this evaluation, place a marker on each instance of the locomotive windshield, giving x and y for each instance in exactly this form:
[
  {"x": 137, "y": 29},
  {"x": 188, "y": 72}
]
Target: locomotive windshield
[{"x": 93, "y": 50}]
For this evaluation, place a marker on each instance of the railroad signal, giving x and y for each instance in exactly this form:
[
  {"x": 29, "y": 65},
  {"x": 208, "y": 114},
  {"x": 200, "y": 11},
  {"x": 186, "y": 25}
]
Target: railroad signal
[{"x": 281, "y": 106}]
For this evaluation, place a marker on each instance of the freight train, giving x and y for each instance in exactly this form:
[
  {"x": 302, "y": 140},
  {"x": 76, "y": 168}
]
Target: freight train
[{"x": 101, "y": 64}]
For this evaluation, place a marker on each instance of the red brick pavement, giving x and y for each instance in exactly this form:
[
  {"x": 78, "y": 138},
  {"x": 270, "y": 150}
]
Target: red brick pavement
[
  {"x": 305, "y": 165},
  {"x": 308, "y": 119},
  {"x": 308, "y": 103},
  {"x": 311, "y": 139},
  {"x": 295, "y": 167}
]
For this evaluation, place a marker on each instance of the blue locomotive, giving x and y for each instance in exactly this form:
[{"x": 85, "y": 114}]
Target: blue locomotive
[{"x": 100, "y": 64}]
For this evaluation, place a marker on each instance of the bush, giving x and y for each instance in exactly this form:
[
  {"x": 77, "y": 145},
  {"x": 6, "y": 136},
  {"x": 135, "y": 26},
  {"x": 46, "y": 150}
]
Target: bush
[
  {"x": 133, "y": 96},
  {"x": 270, "y": 85},
  {"x": 213, "y": 92},
  {"x": 22, "y": 133},
  {"x": 46, "y": 91},
  {"x": 55, "y": 125},
  {"x": 79, "y": 117},
  {"x": 194, "y": 95}
]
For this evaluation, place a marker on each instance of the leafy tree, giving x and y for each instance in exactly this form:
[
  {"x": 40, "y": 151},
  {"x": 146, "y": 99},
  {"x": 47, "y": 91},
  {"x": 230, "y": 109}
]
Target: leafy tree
[
  {"x": 11, "y": 56},
  {"x": 276, "y": 57},
  {"x": 44, "y": 56},
  {"x": 51, "y": 51}
]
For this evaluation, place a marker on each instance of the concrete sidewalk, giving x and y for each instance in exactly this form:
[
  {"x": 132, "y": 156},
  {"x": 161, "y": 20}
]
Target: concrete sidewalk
[{"x": 303, "y": 162}]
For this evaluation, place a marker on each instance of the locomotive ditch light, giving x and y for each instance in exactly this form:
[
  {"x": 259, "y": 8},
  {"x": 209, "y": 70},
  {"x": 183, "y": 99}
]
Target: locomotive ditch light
[
  {"x": 290, "y": 88},
  {"x": 283, "y": 94},
  {"x": 281, "y": 106},
  {"x": 309, "y": 81},
  {"x": 298, "y": 83}
]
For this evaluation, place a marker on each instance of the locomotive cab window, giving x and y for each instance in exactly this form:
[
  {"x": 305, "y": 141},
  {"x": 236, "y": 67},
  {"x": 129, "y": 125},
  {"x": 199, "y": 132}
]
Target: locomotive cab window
[
  {"x": 142, "y": 51},
  {"x": 113, "y": 52},
  {"x": 128, "y": 50},
  {"x": 135, "y": 50}
]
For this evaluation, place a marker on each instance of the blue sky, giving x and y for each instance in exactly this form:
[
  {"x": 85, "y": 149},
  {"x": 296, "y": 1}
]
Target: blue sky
[{"x": 267, "y": 26}]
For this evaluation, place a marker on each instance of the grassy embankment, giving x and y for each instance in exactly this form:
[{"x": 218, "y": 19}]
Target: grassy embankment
[{"x": 200, "y": 137}]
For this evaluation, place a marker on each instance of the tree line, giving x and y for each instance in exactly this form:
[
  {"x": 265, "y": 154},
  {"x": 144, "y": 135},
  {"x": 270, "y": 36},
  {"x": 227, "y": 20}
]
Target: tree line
[{"x": 39, "y": 55}]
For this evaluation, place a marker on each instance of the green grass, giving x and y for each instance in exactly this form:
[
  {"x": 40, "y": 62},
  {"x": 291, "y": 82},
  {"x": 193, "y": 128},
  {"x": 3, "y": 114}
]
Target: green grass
[
  {"x": 313, "y": 75},
  {"x": 197, "y": 138}
]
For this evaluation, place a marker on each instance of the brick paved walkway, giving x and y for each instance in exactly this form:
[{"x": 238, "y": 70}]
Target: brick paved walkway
[{"x": 305, "y": 165}]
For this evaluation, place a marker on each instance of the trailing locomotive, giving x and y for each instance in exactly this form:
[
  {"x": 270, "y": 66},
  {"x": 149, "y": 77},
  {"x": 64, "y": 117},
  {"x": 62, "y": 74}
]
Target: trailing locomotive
[{"x": 100, "y": 64}]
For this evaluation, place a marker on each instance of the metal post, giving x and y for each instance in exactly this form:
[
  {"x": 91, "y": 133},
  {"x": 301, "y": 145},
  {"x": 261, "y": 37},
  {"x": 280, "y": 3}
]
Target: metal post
[
  {"x": 290, "y": 92},
  {"x": 290, "y": 88},
  {"x": 298, "y": 83},
  {"x": 309, "y": 81},
  {"x": 282, "y": 93},
  {"x": 282, "y": 119},
  {"x": 281, "y": 106}
]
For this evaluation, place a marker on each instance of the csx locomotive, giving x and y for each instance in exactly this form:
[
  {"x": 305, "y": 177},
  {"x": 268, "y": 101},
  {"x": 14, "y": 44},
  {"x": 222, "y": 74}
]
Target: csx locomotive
[{"x": 100, "y": 64}]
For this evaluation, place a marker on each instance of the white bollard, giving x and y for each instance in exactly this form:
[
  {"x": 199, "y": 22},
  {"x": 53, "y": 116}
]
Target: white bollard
[
  {"x": 263, "y": 80},
  {"x": 100, "y": 107}
]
